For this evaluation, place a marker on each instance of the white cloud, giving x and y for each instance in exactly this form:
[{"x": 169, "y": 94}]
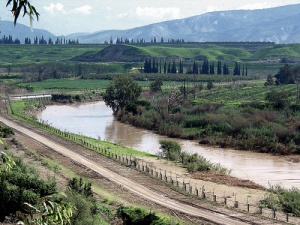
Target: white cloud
[
  {"x": 58, "y": 7},
  {"x": 84, "y": 10},
  {"x": 158, "y": 13},
  {"x": 55, "y": 7}
]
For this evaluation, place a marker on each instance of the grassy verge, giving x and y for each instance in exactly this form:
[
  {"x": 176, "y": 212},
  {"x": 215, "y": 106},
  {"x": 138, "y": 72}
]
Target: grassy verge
[{"x": 102, "y": 147}]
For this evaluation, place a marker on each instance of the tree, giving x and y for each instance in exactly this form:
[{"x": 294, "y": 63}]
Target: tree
[
  {"x": 205, "y": 67},
  {"x": 155, "y": 86},
  {"x": 210, "y": 85},
  {"x": 225, "y": 69},
  {"x": 285, "y": 75},
  {"x": 121, "y": 92},
  {"x": 167, "y": 102},
  {"x": 219, "y": 70},
  {"x": 23, "y": 6},
  {"x": 173, "y": 69},
  {"x": 212, "y": 68},
  {"x": 270, "y": 80},
  {"x": 278, "y": 99},
  {"x": 237, "y": 69}
]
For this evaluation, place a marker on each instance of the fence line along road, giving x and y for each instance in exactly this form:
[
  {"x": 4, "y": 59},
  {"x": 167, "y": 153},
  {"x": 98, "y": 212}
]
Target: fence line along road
[{"x": 127, "y": 183}]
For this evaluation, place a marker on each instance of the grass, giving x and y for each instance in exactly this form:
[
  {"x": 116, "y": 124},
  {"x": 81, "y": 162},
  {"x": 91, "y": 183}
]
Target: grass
[
  {"x": 20, "y": 106},
  {"x": 211, "y": 51},
  {"x": 235, "y": 94},
  {"x": 71, "y": 84},
  {"x": 43, "y": 53},
  {"x": 18, "y": 54}
]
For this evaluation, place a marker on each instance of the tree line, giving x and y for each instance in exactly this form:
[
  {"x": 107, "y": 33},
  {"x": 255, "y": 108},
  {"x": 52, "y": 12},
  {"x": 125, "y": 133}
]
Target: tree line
[
  {"x": 38, "y": 40},
  {"x": 9, "y": 40},
  {"x": 122, "y": 40},
  {"x": 154, "y": 65}
]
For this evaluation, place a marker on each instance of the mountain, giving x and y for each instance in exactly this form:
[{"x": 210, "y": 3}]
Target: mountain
[
  {"x": 279, "y": 25},
  {"x": 21, "y": 31}
]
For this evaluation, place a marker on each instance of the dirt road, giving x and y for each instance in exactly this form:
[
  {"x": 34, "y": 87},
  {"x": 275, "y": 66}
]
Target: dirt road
[{"x": 129, "y": 184}]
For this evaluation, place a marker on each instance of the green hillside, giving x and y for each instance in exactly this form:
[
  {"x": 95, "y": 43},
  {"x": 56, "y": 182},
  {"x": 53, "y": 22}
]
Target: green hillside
[
  {"x": 212, "y": 52},
  {"x": 278, "y": 51},
  {"x": 243, "y": 52}
]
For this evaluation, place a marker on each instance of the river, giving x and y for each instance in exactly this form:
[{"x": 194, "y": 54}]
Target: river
[{"x": 96, "y": 120}]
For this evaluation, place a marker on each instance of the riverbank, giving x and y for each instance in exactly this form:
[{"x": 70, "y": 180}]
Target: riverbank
[
  {"x": 182, "y": 172},
  {"x": 232, "y": 194},
  {"x": 96, "y": 120},
  {"x": 244, "y": 117},
  {"x": 244, "y": 196}
]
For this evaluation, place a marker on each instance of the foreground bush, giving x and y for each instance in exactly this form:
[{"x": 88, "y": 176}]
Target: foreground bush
[
  {"x": 137, "y": 216},
  {"x": 282, "y": 199}
]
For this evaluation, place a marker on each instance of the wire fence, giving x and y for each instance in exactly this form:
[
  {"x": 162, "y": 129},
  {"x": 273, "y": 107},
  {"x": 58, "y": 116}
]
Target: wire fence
[{"x": 178, "y": 181}]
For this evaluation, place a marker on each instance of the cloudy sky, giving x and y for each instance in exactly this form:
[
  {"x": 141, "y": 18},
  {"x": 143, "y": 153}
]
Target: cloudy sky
[{"x": 64, "y": 17}]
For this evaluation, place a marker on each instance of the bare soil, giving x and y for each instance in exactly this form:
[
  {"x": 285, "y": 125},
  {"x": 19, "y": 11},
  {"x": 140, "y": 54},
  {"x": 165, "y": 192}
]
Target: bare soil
[{"x": 226, "y": 180}]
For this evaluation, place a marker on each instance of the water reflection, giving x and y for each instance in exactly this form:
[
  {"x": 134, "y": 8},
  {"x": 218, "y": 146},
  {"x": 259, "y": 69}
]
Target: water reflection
[{"x": 96, "y": 120}]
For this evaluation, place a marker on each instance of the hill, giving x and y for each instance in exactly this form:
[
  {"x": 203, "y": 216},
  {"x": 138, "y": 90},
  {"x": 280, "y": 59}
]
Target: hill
[
  {"x": 272, "y": 24},
  {"x": 21, "y": 31},
  {"x": 113, "y": 53}
]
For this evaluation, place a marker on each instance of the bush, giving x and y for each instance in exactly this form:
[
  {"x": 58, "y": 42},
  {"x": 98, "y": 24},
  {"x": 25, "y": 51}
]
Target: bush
[
  {"x": 291, "y": 201},
  {"x": 278, "y": 99},
  {"x": 137, "y": 216},
  {"x": 173, "y": 130},
  {"x": 170, "y": 149},
  {"x": 86, "y": 212},
  {"x": 5, "y": 131}
]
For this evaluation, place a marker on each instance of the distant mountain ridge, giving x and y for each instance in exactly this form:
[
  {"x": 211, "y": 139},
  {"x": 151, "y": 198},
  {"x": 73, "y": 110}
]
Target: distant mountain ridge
[
  {"x": 21, "y": 31},
  {"x": 280, "y": 25}
]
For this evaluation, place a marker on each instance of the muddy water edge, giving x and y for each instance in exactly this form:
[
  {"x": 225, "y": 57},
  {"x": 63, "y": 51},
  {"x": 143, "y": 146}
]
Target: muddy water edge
[{"x": 96, "y": 120}]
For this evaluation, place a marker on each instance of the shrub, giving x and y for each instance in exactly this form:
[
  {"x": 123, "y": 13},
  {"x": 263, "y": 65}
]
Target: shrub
[
  {"x": 291, "y": 201},
  {"x": 170, "y": 129},
  {"x": 170, "y": 149},
  {"x": 278, "y": 99},
  {"x": 5, "y": 131},
  {"x": 137, "y": 216}
]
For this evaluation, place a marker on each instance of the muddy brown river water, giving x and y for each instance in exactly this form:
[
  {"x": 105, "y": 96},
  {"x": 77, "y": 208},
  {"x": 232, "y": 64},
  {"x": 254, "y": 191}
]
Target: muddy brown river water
[{"x": 96, "y": 120}]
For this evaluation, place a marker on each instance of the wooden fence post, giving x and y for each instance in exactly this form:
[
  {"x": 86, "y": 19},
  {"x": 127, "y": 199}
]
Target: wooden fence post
[
  {"x": 236, "y": 204},
  {"x": 203, "y": 192},
  {"x": 214, "y": 198}
]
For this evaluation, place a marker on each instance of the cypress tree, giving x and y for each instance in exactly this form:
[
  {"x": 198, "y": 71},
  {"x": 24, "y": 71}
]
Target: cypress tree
[
  {"x": 212, "y": 68},
  {"x": 173, "y": 70},
  {"x": 205, "y": 67},
  {"x": 236, "y": 70},
  {"x": 219, "y": 72}
]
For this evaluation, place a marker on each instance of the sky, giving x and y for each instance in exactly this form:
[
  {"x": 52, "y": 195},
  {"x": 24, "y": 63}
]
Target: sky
[{"x": 63, "y": 17}]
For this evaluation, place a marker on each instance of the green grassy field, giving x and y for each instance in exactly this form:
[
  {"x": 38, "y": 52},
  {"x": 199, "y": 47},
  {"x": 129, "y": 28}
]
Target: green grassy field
[
  {"x": 65, "y": 85},
  {"x": 235, "y": 94},
  {"x": 43, "y": 53},
  {"x": 214, "y": 52}
]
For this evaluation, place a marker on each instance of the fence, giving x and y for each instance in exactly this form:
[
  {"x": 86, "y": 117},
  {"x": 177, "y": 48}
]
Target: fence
[{"x": 178, "y": 182}]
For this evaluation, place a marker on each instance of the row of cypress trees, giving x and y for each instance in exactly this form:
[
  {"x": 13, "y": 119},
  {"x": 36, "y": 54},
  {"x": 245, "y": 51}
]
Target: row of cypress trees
[{"x": 154, "y": 65}]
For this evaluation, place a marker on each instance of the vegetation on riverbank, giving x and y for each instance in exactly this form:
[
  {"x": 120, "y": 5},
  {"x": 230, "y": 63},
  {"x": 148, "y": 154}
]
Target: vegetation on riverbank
[
  {"x": 287, "y": 200},
  {"x": 171, "y": 150},
  {"x": 247, "y": 116}
]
